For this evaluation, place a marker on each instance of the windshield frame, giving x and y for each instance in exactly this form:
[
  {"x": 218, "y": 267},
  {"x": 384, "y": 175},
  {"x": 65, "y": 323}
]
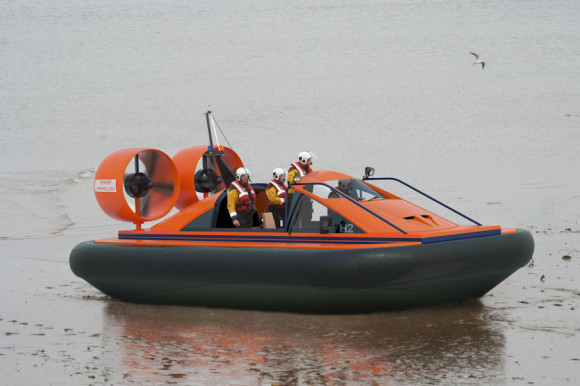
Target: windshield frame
[
  {"x": 354, "y": 188},
  {"x": 290, "y": 213}
]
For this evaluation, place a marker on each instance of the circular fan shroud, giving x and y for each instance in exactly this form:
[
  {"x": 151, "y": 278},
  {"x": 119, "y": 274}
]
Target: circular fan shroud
[
  {"x": 186, "y": 162},
  {"x": 156, "y": 203}
]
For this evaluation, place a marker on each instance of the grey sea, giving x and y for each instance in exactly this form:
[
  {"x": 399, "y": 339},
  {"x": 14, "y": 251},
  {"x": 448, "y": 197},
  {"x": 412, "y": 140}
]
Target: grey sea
[{"x": 389, "y": 84}]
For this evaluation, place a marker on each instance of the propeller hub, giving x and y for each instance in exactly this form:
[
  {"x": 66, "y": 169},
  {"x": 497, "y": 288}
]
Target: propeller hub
[
  {"x": 137, "y": 184},
  {"x": 206, "y": 180}
]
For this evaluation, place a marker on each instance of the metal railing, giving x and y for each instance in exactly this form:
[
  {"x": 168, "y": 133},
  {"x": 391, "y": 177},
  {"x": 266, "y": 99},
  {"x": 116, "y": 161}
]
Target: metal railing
[
  {"x": 287, "y": 215},
  {"x": 424, "y": 194}
]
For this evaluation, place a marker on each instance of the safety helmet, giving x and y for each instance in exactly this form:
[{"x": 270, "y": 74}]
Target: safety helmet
[
  {"x": 304, "y": 156},
  {"x": 278, "y": 172},
  {"x": 241, "y": 171}
]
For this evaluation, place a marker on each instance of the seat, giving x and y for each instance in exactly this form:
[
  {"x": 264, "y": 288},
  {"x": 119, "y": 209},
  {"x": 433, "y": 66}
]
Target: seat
[{"x": 268, "y": 220}]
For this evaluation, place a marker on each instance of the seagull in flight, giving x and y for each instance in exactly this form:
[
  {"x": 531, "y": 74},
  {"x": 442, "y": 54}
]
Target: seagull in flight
[{"x": 477, "y": 61}]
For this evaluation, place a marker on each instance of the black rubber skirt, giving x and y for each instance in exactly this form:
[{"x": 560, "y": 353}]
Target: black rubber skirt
[{"x": 303, "y": 280}]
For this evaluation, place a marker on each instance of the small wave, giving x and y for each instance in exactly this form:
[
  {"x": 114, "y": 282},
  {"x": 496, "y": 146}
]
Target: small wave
[
  {"x": 39, "y": 202},
  {"x": 82, "y": 175},
  {"x": 87, "y": 173}
]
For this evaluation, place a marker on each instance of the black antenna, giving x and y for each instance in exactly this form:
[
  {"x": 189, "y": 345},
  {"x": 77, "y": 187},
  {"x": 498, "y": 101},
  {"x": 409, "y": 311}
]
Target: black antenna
[{"x": 207, "y": 115}]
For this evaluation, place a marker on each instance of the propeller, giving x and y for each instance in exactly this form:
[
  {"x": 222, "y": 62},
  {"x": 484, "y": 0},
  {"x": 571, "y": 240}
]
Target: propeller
[
  {"x": 206, "y": 180},
  {"x": 203, "y": 172},
  {"x": 150, "y": 189},
  {"x": 137, "y": 185}
]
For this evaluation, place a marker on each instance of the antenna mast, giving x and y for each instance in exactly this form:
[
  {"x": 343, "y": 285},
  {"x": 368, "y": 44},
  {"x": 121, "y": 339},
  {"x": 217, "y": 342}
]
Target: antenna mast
[
  {"x": 211, "y": 129},
  {"x": 207, "y": 118}
]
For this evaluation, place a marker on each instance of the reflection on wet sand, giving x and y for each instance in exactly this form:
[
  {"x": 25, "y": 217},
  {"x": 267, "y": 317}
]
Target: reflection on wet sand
[{"x": 182, "y": 344}]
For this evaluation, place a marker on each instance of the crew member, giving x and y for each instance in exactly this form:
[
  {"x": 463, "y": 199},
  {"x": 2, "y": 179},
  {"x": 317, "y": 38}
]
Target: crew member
[
  {"x": 299, "y": 169},
  {"x": 242, "y": 200},
  {"x": 276, "y": 192},
  {"x": 345, "y": 186},
  {"x": 296, "y": 172}
]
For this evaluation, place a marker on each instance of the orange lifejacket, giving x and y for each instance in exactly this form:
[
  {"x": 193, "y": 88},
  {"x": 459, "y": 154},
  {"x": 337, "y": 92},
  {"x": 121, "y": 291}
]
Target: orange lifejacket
[
  {"x": 280, "y": 191},
  {"x": 246, "y": 198}
]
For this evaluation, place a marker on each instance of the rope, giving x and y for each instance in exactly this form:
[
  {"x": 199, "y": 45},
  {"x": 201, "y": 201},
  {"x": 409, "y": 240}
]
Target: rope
[{"x": 226, "y": 138}]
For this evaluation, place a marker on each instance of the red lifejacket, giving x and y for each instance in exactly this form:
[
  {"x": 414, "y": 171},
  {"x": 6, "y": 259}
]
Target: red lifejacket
[
  {"x": 280, "y": 191},
  {"x": 246, "y": 198},
  {"x": 300, "y": 168}
]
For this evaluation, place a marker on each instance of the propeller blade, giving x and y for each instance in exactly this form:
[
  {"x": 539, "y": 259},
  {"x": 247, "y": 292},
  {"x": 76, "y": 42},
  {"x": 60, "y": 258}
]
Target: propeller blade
[
  {"x": 145, "y": 205},
  {"x": 151, "y": 184},
  {"x": 155, "y": 200},
  {"x": 150, "y": 160},
  {"x": 164, "y": 188}
]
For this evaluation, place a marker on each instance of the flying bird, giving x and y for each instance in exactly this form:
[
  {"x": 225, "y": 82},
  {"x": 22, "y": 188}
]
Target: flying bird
[{"x": 477, "y": 61}]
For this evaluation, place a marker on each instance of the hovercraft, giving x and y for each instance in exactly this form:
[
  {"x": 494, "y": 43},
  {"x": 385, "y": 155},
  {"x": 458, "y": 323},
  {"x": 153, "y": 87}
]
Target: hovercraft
[{"x": 354, "y": 250}]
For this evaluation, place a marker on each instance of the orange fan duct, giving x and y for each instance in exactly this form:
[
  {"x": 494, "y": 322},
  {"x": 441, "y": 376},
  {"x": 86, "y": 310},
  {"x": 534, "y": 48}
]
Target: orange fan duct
[
  {"x": 217, "y": 171},
  {"x": 137, "y": 185}
]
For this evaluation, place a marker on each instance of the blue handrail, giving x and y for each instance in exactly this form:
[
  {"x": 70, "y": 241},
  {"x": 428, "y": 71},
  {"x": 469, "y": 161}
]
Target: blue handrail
[
  {"x": 343, "y": 195},
  {"x": 424, "y": 194}
]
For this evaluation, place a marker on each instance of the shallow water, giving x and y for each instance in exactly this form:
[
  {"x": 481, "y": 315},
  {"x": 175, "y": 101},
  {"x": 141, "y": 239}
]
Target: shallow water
[{"x": 387, "y": 84}]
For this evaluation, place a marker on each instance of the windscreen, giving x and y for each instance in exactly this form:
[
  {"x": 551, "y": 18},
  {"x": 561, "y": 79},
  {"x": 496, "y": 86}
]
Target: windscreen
[{"x": 353, "y": 188}]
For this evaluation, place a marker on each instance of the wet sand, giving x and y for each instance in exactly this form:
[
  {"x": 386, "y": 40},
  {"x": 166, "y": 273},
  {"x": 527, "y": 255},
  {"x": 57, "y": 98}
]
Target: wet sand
[{"x": 383, "y": 84}]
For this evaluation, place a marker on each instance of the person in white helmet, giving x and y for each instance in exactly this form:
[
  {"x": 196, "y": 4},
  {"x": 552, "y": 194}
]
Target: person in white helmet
[
  {"x": 299, "y": 169},
  {"x": 276, "y": 192},
  {"x": 242, "y": 200},
  {"x": 296, "y": 172}
]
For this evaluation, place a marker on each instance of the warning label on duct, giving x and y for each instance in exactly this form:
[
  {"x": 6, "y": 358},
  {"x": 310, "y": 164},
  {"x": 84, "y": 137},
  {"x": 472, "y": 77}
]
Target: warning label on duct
[{"x": 106, "y": 186}]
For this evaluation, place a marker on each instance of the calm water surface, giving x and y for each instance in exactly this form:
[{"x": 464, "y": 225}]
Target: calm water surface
[{"x": 384, "y": 83}]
